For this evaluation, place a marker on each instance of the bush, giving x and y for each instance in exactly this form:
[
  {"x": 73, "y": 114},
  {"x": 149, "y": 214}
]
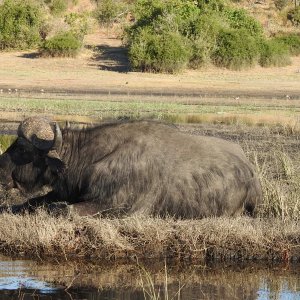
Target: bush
[
  {"x": 274, "y": 53},
  {"x": 57, "y": 7},
  {"x": 201, "y": 52},
  {"x": 235, "y": 49},
  {"x": 209, "y": 29},
  {"x": 19, "y": 24},
  {"x": 294, "y": 16},
  {"x": 147, "y": 10},
  {"x": 166, "y": 52},
  {"x": 239, "y": 19},
  {"x": 176, "y": 15},
  {"x": 203, "y": 41},
  {"x": 211, "y": 5},
  {"x": 79, "y": 24},
  {"x": 107, "y": 11},
  {"x": 291, "y": 41},
  {"x": 64, "y": 44},
  {"x": 170, "y": 23}
]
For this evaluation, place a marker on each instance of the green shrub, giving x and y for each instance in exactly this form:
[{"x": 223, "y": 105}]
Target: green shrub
[
  {"x": 291, "y": 41},
  {"x": 107, "y": 11},
  {"x": 79, "y": 24},
  {"x": 165, "y": 22},
  {"x": 211, "y": 30},
  {"x": 64, "y": 44},
  {"x": 235, "y": 49},
  {"x": 166, "y": 52},
  {"x": 203, "y": 41},
  {"x": 146, "y": 10},
  {"x": 57, "y": 7},
  {"x": 176, "y": 15},
  {"x": 294, "y": 16},
  {"x": 239, "y": 19},
  {"x": 201, "y": 53},
  {"x": 274, "y": 53},
  {"x": 19, "y": 24},
  {"x": 211, "y": 5}
]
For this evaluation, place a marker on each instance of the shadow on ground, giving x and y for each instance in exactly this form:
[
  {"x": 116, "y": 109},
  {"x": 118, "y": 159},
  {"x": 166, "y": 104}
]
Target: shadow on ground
[
  {"x": 110, "y": 58},
  {"x": 30, "y": 55}
]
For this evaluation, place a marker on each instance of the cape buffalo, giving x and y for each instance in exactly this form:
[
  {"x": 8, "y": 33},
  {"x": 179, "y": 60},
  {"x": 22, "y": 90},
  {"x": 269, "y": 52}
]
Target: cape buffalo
[{"x": 130, "y": 167}]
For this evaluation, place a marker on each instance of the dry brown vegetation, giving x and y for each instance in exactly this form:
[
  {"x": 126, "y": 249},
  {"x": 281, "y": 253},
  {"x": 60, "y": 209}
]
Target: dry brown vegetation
[{"x": 95, "y": 239}]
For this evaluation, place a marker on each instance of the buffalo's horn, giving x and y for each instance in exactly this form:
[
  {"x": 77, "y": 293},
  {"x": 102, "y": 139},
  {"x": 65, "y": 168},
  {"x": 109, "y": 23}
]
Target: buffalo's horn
[{"x": 57, "y": 137}]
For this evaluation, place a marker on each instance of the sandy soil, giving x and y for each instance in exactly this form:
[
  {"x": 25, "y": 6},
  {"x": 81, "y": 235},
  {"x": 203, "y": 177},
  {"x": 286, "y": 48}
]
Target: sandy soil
[{"x": 102, "y": 66}]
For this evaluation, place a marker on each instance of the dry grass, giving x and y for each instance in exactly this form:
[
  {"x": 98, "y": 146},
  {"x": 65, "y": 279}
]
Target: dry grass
[
  {"x": 289, "y": 124},
  {"x": 281, "y": 186},
  {"x": 43, "y": 236}
]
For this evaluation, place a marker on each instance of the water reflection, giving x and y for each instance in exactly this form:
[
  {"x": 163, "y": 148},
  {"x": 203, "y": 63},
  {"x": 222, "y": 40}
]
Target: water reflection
[
  {"x": 25, "y": 279},
  {"x": 284, "y": 291}
]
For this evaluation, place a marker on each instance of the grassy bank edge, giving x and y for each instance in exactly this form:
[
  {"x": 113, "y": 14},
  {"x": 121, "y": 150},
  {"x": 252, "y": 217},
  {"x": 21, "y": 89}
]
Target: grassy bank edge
[{"x": 43, "y": 237}]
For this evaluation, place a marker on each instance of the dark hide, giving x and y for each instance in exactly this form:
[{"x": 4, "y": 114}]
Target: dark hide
[{"x": 141, "y": 167}]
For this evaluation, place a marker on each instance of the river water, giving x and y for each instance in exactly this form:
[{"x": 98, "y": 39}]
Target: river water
[{"x": 26, "y": 279}]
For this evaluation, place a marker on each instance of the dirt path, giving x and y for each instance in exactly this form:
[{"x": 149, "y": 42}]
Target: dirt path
[{"x": 102, "y": 67}]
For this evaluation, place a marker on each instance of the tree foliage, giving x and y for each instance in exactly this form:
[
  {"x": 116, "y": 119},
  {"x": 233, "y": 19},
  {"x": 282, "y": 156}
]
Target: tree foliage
[
  {"x": 19, "y": 24},
  {"x": 200, "y": 27}
]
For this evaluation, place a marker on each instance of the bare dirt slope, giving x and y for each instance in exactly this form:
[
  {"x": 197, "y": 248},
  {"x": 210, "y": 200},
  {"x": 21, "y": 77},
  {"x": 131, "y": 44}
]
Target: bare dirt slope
[{"x": 103, "y": 66}]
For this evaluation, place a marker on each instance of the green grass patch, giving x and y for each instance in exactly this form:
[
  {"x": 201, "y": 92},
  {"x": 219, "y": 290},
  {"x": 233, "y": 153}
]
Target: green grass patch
[
  {"x": 6, "y": 141},
  {"x": 112, "y": 109}
]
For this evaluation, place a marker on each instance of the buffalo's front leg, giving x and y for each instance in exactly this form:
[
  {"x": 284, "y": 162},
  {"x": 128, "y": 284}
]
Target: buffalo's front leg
[{"x": 32, "y": 204}]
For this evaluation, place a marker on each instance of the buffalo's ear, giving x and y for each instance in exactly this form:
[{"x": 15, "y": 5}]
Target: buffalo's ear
[{"x": 54, "y": 162}]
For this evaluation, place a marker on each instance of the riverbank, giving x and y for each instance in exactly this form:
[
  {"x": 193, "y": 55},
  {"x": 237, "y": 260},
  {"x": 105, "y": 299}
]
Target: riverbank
[{"x": 43, "y": 237}]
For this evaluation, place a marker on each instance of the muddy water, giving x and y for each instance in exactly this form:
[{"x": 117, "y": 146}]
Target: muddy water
[{"x": 25, "y": 279}]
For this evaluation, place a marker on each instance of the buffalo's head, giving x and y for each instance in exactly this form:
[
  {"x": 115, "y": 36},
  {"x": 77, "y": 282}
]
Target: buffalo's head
[{"x": 25, "y": 162}]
